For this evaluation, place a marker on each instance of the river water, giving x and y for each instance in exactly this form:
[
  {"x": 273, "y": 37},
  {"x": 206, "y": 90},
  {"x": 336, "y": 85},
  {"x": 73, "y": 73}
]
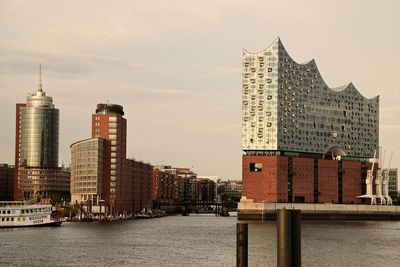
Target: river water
[{"x": 196, "y": 240}]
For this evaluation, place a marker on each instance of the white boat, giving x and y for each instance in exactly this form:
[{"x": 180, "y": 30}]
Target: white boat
[{"x": 24, "y": 214}]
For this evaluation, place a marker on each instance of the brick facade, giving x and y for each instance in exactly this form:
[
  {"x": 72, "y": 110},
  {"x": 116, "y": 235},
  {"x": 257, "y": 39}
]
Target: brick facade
[{"x": 308, "y": 180}]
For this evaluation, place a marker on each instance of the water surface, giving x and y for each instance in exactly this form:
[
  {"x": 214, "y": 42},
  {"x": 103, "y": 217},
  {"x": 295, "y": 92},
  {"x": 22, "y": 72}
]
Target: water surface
[{"x": 196, "y": 240}]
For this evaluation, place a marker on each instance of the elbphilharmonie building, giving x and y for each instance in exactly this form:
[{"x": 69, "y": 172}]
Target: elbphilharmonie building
[{"x": 302, "y": 140}]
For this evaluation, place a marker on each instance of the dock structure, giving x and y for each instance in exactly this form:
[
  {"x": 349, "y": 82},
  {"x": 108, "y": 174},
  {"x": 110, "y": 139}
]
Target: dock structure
[{"x": 267, "y": 211}]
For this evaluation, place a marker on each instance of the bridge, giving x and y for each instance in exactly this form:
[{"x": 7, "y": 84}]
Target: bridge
[{"x": 187, "y": 207}]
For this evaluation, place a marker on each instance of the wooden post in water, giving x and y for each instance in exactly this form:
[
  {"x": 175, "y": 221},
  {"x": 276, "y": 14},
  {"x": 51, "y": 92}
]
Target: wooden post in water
[
  {"x": 296, "y": 238},
  {"x": 241, "y": 244},
  {"x": 284, "y": 238},
  {"x": 288, "y": 238}
]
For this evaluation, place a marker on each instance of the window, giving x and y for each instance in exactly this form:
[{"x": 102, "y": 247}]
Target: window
[
  {"x": 269, "y": 69},
  {"x": 255, "y": 167}
]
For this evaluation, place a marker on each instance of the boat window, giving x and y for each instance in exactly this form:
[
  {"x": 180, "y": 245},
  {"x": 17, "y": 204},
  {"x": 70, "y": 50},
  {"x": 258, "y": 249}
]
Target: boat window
[
  {"x": 12, "y": 219},
  {"x": 22, "y": 211},
  {"x": 2, "y": 219},
  {"x": 8, "y": 211},
  {"x": 8, "y": 219},
  {"x": 31, "y": 210}
]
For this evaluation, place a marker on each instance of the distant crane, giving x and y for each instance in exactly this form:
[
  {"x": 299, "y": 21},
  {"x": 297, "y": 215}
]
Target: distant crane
[{"x": 381, "y": 183}]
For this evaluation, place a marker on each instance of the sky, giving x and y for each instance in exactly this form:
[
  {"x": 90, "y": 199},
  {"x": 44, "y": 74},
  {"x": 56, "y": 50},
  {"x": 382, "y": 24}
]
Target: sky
[{"x": 175, "y": 67}]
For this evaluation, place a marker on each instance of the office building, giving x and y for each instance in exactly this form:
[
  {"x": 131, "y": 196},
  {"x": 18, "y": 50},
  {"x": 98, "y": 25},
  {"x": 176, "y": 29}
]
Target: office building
[
  {"x": 100, "y": 171},
  {"x": 88, "y": 165},
  {"x": 37, "y": 174}
]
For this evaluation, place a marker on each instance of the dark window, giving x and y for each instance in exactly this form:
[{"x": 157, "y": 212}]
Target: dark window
[{"x": 255, "y": 167}]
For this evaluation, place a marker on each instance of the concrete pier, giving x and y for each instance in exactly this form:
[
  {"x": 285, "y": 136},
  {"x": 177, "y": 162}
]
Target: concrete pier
[{"x": 257, "y": 210}]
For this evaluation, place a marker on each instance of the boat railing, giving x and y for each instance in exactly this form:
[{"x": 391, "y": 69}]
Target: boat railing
[{"x": 17, "y": 203}]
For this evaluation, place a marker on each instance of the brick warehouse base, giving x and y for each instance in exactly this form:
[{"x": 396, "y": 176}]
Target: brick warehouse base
[{"x": 301, "y": 179}]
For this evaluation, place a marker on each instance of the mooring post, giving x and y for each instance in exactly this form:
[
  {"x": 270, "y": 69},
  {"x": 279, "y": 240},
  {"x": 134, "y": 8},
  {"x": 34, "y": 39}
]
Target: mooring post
[
  {"x": 296, "y": 238},
  {"x": 242, "y": 244},
  {"x": 284, "y": 238},
  {"x": 289, "y": 238}
]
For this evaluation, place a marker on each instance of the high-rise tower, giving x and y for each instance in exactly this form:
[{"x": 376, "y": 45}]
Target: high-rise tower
[
  {"x": 108, "y": 123},
  {"x": 100, "y": 170},
  {"x": 36, "y": 153}
]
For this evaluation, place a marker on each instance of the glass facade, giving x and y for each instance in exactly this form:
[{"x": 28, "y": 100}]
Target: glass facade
[
  {"x": 39, "y": 137},
  {"x": 87, "y": 170},
  {"x": 39, "y": 132},
  {"x": 288, "y": 107}
]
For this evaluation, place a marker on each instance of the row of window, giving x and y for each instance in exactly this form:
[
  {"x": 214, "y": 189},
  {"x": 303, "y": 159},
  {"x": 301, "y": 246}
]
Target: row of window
[{"x": 19, "y": 219}]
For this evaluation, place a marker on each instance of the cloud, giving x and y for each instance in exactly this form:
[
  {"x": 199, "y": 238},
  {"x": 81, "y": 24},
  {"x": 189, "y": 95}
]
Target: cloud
[
  {"x": 168, "y": 92},
  {"x": 16, "y": 62},
  {"x": 209, "y": 71}
]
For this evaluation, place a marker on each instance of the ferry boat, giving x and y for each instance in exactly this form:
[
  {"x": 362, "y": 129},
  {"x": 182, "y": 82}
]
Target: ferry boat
[{"x": 24, "y": 214}]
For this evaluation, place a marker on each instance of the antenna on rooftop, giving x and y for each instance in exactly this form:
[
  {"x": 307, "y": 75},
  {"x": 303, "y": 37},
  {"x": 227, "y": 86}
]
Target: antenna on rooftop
[{"x": 40, "y": 78}]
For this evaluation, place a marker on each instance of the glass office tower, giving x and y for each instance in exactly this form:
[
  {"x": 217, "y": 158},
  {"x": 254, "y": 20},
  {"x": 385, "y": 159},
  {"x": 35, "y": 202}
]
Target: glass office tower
[
  {"x": 37, "y": 174},
  {"x": 39, "y": 132}
]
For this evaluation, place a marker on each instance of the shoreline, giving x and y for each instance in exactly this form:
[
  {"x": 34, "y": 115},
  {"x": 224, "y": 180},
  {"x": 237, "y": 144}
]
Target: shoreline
[{"x": 267, "y": 211}]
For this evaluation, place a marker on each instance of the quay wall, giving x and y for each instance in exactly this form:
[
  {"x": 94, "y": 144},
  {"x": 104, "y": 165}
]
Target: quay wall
[{"x": 267, "y": 211}]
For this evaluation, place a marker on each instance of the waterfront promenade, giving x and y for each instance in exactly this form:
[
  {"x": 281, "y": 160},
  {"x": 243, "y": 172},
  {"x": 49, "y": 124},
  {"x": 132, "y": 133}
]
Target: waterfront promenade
[{"x": 262, "y": 210}]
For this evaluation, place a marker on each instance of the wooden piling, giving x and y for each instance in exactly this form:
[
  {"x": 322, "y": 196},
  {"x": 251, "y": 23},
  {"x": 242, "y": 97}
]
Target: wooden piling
[{"x": 241, "y": 244}]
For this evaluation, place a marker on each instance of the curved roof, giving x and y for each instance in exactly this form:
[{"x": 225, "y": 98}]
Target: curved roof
[{"x": 312, "y": 62}]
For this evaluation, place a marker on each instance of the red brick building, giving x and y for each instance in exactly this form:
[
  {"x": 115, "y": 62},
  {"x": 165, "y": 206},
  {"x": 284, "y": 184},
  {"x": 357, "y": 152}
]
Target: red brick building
[
  {"x": 180, "y": 184},
  {"x": 165, "y": 186},
  {"x": 302, "y": 179},
  {"x": 125, "y": 183}
]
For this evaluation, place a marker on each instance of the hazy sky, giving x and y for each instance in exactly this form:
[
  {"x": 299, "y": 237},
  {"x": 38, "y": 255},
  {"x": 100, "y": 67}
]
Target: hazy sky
[{"x": 175, "y": 66}]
